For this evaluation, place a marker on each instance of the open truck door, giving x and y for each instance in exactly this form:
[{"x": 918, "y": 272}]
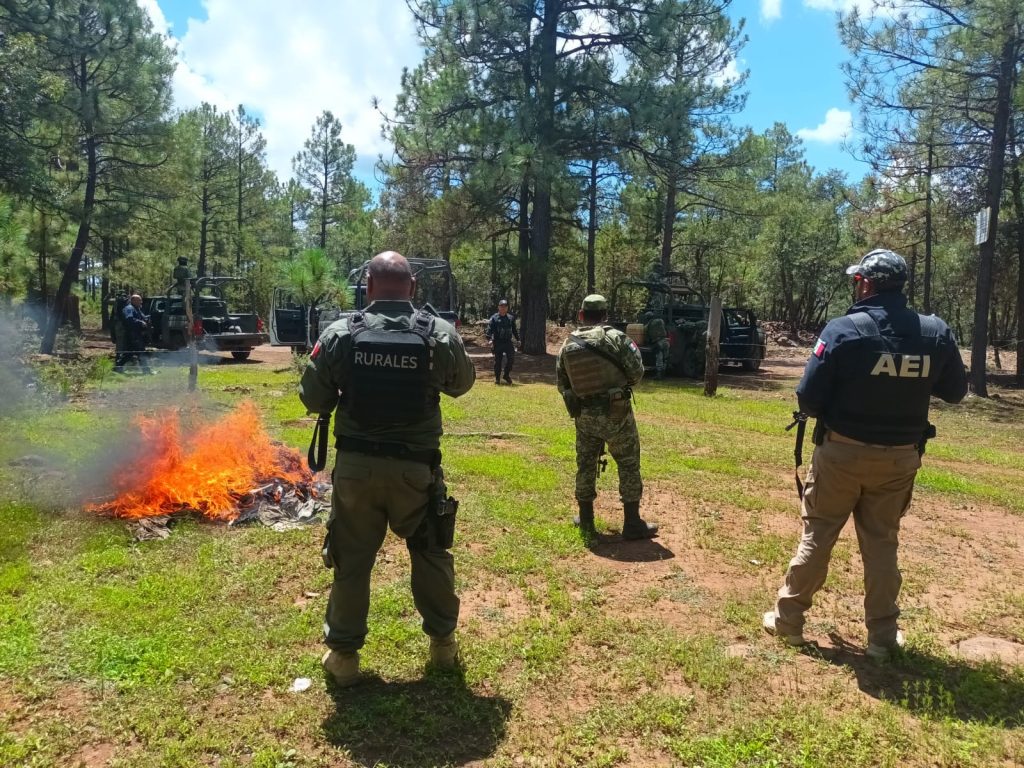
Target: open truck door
[{"x": 289, "y": 321}]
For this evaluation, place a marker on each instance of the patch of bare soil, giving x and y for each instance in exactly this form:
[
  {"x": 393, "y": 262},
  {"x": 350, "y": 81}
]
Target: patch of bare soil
[{"x": 93, "y": 756}]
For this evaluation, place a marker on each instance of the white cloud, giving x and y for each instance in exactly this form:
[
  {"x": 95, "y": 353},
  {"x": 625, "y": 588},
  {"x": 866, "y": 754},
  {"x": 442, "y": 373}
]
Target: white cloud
[
  {"x": 837, "y": 126},
  {"x": 287, "y": 62},
  {"x": 771, "y": 9},
  {"x": 866, "y": 8},
  {"x": 730, "y": 73}
]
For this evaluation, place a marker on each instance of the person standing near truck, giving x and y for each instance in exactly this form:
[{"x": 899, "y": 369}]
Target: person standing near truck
[
  {"x": 135, "y": 326},
  {"x": 656, "y": 337},
  {"x": 500, "y": 332}
]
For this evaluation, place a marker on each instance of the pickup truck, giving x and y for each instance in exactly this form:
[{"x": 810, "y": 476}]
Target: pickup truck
[
  {"x": 217, "y": 327},
  {"x": 298, "y": 324},
  {"x": 685, "y": 312}
]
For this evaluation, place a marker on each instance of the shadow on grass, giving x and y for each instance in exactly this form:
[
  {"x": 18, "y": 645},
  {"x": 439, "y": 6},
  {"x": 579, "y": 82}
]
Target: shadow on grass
[
  {"x": 642, "y": 551},
  {"x": 437, "y": 720},
  {"x": 927, "y": 685}
]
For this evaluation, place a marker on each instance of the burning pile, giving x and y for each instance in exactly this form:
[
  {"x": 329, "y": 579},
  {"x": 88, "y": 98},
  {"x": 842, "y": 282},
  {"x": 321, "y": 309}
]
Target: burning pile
[{"x": 229, "y": 470}]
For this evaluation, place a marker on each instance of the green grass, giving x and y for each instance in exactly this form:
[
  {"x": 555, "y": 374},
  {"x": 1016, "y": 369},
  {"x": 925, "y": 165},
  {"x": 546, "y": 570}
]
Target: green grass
[{"x": 181, "y": 652}]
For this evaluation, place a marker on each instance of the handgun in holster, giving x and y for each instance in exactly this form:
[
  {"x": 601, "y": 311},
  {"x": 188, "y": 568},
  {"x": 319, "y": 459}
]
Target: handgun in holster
[{"x": 437, "y": 529}]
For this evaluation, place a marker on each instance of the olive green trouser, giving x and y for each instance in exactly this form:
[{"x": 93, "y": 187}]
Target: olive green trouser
[
  {"x": 371, "y": 493},
  {"x": 875, "y": 484}
]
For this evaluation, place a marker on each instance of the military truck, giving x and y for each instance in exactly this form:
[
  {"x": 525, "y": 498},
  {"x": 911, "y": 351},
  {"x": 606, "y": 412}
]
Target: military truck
[
  {"x": 217, "y": 327},
  {"x": 634, "y": 303},
  {"x": 298, "y": 324}
]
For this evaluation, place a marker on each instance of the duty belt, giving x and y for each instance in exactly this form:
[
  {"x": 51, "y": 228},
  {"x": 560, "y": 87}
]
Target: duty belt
[
  {"x": 595, "y": 401},
  {"x": 838, "y": 438},
  {"x": 388, "y": 450}
]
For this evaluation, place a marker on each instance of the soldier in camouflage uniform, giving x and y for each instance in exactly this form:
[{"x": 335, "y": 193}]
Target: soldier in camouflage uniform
[
  {"x": 657, "y": 338},
  {"x": 382, "y": 370},
  {"x": 595, "y": 370}
]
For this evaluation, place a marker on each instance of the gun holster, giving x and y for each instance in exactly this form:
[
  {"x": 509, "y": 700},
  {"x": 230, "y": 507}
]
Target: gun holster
[
  {"x": 573, "y": 405},
  {"x": 437, "y": 529},
  {"x": 325, "y": 551},
  {"x": 929, "y": 433}
]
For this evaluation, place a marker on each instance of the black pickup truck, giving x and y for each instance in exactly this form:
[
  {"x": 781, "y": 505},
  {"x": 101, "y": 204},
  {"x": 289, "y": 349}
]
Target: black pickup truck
[
  {"x": 298, "y": 324},
  {"x": 218, "y": 327}
]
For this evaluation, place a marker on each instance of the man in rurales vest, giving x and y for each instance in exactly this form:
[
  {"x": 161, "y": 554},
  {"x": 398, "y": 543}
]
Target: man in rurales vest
[
  {"x": 596, "y": 370},
  {"x": 382, "y": 371},
  {"x": 869, "y": 383}
]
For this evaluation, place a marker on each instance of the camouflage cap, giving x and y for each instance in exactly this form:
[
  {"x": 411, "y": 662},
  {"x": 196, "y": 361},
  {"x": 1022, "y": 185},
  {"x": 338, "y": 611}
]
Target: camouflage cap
[
  {"x": 884, "y": 267},
  {"x": 595, "y": 302}
]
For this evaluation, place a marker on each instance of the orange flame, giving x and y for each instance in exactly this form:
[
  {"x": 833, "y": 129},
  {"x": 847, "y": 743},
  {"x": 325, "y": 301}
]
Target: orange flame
[{"x": 207, "y": 470}]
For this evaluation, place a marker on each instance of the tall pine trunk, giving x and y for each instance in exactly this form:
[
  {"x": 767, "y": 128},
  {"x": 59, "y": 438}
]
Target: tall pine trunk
[
  {"x": 535, "y": 302},
  {"x": 60, "y": 301},
  {"x": 1016, "y": 184},
  {"x": 668, "y": 221},
  {"x": 997, "y": 158},
  {"x": 592, "y": 229}
]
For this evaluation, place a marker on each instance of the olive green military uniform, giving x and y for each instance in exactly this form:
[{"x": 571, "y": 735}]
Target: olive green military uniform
[
  {"x": 373, "y": 491},
  {"x": 606, "y": 415}
]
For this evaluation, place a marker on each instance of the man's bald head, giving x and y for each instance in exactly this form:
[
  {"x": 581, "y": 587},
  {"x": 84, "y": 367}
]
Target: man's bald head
[{"x": 389, "y": 276}]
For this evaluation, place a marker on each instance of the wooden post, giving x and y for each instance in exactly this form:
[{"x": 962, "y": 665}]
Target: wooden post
[
  {"x": 711, "y": 353},
  {"x": 193, "y": 367}
]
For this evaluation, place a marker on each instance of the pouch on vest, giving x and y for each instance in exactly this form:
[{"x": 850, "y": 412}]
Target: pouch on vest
[
  {"x": 390, "y": 373},
  {"x": 589, "y": 372}
]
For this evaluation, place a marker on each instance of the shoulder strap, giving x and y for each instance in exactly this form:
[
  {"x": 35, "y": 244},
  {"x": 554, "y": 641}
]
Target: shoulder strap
[
  {"x": 423, "y": 324},
  {"x": 865, "y": 324},
  {"x": 356, "y": 324},
  {"x": 600, "y": 353},
  {"x": 930, "y": 326}
]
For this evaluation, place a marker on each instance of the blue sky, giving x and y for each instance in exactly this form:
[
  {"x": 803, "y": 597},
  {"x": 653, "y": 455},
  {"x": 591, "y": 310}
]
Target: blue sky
[{"x": 289, "y": 61}]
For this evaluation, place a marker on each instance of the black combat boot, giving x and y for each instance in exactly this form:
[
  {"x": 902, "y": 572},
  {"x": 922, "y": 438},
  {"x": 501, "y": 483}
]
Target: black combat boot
[
  {"x": 634, "y": 527},
  {"x": 585, "y": 520}
]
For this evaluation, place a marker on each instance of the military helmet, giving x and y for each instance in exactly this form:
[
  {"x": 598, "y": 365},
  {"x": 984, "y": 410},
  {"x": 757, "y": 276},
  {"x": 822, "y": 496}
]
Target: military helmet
[
  {"x": 885, "y": 268},
  {"x": 595, "y": 302},
  {"x": 183, "y": 260}
]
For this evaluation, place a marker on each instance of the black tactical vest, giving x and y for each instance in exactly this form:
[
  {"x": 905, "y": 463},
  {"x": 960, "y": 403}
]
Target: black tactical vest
[
  {"x": 502, "y": 329},
  {"x": 884, "y": 389},
  {"x": 390, "y": 373}
]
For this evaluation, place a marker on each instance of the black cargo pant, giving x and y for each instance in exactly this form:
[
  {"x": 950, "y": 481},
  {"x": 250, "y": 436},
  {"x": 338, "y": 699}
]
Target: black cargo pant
[{"x": 508, "y": 351}]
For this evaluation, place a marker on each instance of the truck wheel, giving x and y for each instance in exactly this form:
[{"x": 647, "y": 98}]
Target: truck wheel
[
  {"x": 176, "y": 341},
  {"x": 754, "y": 364},
  {"x": 299, "y": 349},
  {"x": 241, "y": 354}
]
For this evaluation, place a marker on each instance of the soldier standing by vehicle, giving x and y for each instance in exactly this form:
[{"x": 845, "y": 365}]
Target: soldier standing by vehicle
[
  {"x": 596, "y": 369},
  {"x": 117, "y": 330},
  {"x": 383, "y": 369},
  {"x": 501, "y": 330},
  {"x": 135, "y": 326},
  {"x": 657, "y": 338},
  {"x": 181, "y": 274},
  {"x": 868, "y": 383}
]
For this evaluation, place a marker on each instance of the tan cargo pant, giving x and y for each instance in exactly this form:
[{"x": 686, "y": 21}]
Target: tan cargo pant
[
  {"x": 371, "y": 493},
  {"x": 875, "y": 484}
]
